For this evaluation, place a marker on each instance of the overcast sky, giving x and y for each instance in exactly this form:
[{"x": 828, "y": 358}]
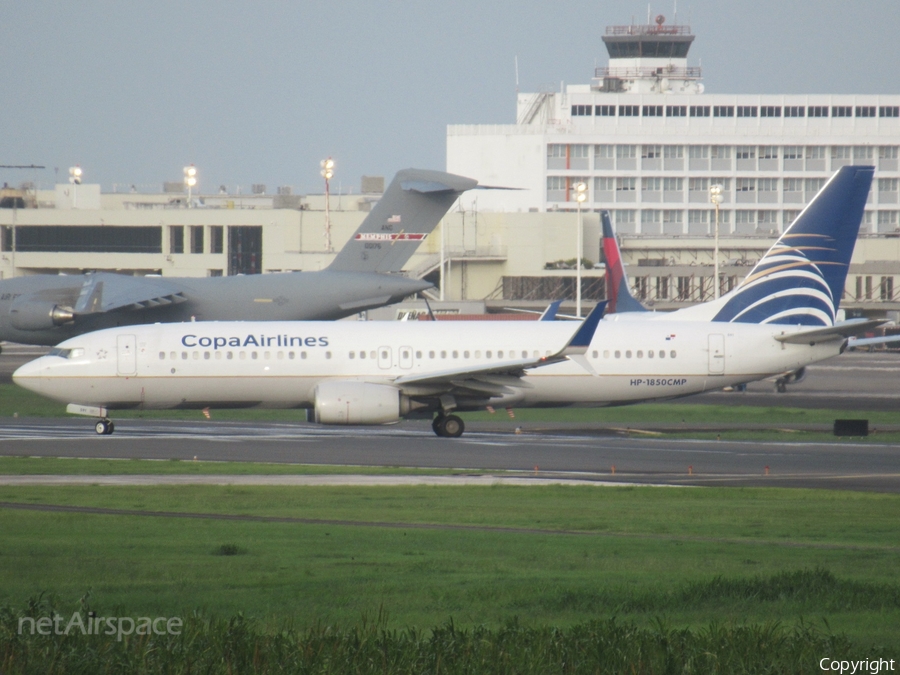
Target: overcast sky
[{"x": 260, "y": 92}]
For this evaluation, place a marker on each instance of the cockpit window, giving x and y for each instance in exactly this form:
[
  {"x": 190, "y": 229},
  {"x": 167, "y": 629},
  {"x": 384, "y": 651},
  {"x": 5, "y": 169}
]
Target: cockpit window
[{"x": 74, "y": 353}]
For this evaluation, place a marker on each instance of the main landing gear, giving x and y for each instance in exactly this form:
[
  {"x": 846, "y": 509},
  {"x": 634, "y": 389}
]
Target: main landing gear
[
  {"x": 448, "y": 426},
  {"x": 104, "y": 427}
]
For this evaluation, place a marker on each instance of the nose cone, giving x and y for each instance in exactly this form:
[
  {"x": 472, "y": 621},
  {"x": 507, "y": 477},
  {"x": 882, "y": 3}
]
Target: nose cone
[{"x": 34, "y": 376}]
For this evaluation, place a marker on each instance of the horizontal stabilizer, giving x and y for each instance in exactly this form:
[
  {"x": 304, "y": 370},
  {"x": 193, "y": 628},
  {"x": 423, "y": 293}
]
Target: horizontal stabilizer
[{"x": 838, "y": 331}]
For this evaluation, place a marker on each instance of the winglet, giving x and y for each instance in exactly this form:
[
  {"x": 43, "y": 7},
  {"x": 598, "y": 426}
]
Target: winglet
[
  {"x": 550, "y": 313},
  {"x": 585, "y": 333}
]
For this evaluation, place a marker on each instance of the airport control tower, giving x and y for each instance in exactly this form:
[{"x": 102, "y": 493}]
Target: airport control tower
[{"x": 649, "y": 59}]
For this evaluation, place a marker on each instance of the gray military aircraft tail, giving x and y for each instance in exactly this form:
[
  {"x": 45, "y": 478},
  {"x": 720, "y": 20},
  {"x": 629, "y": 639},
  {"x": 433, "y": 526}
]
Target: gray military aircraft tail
[{"x": 46, "y": 309}]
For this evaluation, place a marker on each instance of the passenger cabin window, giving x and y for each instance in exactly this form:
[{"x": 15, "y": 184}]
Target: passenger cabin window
[{"x": 672, "y": 354}]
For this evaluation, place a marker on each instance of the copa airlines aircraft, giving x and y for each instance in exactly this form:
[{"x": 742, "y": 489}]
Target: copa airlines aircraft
[{"x": 780, "y": 318}]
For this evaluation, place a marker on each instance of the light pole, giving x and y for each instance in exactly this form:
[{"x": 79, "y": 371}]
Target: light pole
[
  {"x": 715, "y": 196},
  {"x": 580, "y": 197},
  {"x": 75, "y": 180},
  {"x": 190, "y": 180},
  {"x": 327, "y": 173}
]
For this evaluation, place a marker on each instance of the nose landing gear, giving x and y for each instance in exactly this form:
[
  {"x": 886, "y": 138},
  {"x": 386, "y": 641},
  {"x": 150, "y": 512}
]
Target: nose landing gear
[{"x": 104, "y": 427}]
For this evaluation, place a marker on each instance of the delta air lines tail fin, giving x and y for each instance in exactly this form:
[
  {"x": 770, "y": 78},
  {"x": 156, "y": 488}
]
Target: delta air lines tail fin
[{"x": 617, "y": 291}]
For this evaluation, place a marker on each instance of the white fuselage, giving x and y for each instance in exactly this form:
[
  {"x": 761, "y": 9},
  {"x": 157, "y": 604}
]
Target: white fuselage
[{"x": 279, "y": 364}]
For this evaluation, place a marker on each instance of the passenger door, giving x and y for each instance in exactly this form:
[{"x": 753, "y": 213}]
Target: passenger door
[
  {"x": 126, "y": 349},
  {"x": 716, "y": 354}
]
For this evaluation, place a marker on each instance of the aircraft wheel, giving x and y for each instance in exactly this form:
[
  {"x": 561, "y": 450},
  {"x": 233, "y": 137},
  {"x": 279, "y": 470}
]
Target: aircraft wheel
[
  {"x": 780, "y": 385},
  {"x": 436, "y": 424},
  {"x": 104, "y": 427},
  {"x": 452, "y": 427}
]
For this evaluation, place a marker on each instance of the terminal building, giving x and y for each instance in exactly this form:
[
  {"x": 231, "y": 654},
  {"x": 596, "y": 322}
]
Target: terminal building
[{"x": 642, "y": 135}]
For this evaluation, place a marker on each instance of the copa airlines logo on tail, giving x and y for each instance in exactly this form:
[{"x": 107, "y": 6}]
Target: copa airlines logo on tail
[{"x": 785, "y": 287}]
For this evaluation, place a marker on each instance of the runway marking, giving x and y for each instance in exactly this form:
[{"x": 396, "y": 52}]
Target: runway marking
[{"x": 90, "y": 510}]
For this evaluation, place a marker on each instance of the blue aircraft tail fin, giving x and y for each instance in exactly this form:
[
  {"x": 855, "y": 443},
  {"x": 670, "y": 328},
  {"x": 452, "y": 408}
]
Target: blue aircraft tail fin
[{"x": 800, "y": 279}]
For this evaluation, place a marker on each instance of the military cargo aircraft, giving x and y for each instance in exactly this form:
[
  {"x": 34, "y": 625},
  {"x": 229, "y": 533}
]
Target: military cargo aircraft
[{"x": 47, "y": 309}]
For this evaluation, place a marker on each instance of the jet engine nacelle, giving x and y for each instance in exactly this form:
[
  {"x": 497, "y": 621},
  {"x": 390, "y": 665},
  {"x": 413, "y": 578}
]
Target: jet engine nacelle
[
  {"x": 343, "y": 402},
  {"x": 38, "y": 315}
]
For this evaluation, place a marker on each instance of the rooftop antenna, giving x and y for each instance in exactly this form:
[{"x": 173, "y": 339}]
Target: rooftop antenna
[
  {"x": 648, "y": 13},
  {"x": 517, "y": 73}
]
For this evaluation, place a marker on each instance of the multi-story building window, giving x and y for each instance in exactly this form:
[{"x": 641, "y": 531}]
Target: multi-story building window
[
  {"x": 673, "y": 221},
  {"x": 557, "y": 188},
  {"x": 767, "y": 221},
  {"x": 580, "y": 156},
  {"x": 557, "y": 156},
  {"x": 698, "y": 184},
  {"x": 698, "y": 157},
  {"x": 626, "y": 189},
  {"x": 699, "y": 220},
  {"x": 629, "y": 110},
  {"x": 662, "y": 288},
  {"x": 746, "y": 111},
  {"x": 604, "y": 157},
  {"x": 817, "y": 111},
  {"x": 770, "y": 111},
  {"x": 216, "y": 238},
  {"x": 887, "y": 190},
  {"x": 745, "y": 190},
  {"x": 887, "y": 157},
  {"x": 887, "y": 221},
  {"x": 723, "y": 111},
  {"x": 683, "y": 288},
  {"x": 604, "y": 188},
  {"x": 788, "y": 217},
  {"x": 651, "y": 151},
  {"x": 886, "y": 289},
  {"x": 815, "y": 158},
  {"x": 841, "y": 155},
  {"x": 842, "y": 111},
  {"x": 794, "y": 111},
  {"x": 744, "y": 222},
  {"x": 674, "y": 184},
  {"x": 863, "y": 153},
  {"x": 650, "y": 221},
  {"x": 768, "y": 152},
  {"x": 889, "y": 111},
  {"x": 580, "y": 110},
  {"x": 626, "y": 157},
  {"x": 767, "y": 190},
  {"x": 865, "y": 111},
  {"x": 651, "y": 189},
  {"x": 700, "y": 111},
  {"x": 812, "y": 187},
  {"x": 605, "y": 110},
  {"x": 793, "y": 190},
  {"x": 653, "y": 111},
  {"x": 673, "y": 151},
  {"x": 676, "y": 111},
  {"x": 625, "y": 220},
  {"x": 745, "y": 152}
]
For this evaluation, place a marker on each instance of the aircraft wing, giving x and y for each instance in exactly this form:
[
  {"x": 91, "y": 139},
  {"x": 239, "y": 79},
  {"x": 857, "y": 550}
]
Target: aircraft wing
[
  {"x": 499, "y": 376},
  {"x": 106, "y": 292},
  {"x": 838, "y": 331}
]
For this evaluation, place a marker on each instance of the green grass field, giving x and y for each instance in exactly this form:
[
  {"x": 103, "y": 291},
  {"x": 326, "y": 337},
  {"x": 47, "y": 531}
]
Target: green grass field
[{"x": 688, "y": 557}]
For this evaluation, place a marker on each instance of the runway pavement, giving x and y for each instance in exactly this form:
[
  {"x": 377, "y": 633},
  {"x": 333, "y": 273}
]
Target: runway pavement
[
  {"x": 854, "y": 382},
  {"x": 549, "y": 453}
]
